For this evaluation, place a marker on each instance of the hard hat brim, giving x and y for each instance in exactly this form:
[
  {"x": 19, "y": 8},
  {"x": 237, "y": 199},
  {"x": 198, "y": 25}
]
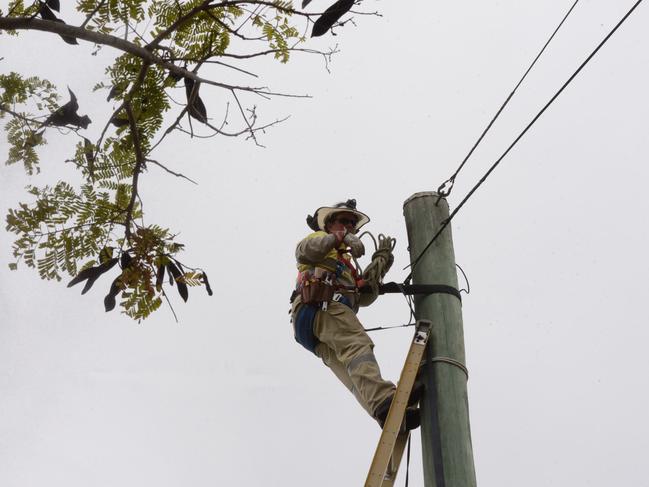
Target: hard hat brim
[{"x": 323, "y": 213}]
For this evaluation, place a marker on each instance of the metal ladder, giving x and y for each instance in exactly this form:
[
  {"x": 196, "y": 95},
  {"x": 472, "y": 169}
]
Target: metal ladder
[{"x": 385, "y": 464}]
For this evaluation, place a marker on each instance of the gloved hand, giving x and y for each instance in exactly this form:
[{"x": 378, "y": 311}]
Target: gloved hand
[{"x": 352, "y": 241}]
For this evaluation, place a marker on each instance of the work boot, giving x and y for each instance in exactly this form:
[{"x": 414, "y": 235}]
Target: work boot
[
  {"x": 412, "y": 416},
  {"x": 416, "y": 393}
]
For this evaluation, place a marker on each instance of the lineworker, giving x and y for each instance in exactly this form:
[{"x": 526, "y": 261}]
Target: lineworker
[{"x": 324, "y": 306}]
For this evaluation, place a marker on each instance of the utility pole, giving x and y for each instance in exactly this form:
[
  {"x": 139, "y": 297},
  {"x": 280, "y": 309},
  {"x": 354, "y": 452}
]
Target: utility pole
[{"x": 445, "y": 430}]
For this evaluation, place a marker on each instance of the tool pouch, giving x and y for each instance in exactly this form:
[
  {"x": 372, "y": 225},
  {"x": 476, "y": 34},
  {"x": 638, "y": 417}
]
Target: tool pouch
[{"x": 316, "y": 292}]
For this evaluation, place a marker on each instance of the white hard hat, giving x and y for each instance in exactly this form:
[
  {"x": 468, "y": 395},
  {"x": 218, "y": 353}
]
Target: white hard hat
[{"x": 324, "y": 213}]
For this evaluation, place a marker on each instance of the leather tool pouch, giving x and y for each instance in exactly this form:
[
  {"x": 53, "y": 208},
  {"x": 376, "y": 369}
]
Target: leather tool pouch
[{"x": 316, "y": 292}]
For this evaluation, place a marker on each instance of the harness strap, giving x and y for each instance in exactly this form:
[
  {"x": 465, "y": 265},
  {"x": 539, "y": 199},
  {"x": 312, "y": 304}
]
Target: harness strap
[
  {"x": 357, "y": 278},
  {"x": 393, "y": 287}
]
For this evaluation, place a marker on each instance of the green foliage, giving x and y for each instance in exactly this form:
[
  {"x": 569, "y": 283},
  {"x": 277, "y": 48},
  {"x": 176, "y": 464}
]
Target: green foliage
[
  {"x": 207, "y": 36},
  {"x": 23, "y": 132},
  {"x": 23, "y": 142},
  {"x": 75, "y": 230},
  {"x": 149, "y": 102},
  {"x": 278, "y": 33},
  {"x": 61, "y": 228},
  {"x": 17, "y": 89},
  {"x": 109, "y": 14}
]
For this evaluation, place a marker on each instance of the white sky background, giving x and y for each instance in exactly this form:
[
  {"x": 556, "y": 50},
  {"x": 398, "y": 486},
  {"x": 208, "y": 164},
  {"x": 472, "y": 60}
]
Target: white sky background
[{"x": 554, "y": 245}]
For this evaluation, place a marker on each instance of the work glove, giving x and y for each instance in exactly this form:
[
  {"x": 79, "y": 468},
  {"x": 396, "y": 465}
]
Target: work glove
[{"x": 352, "y": 241}]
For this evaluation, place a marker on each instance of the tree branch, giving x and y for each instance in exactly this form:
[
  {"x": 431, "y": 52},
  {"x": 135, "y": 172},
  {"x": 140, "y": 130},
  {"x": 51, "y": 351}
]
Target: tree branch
[
  {"x": 177, "y": 174},
  {"x": 139, "y": 164},
  {"x": 25, "y": 23},
  {"x": 3, "y": 108}
]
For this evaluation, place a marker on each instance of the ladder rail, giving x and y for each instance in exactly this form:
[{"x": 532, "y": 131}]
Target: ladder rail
[
  {"x": 397, "y": 454},
  {"x": 386, "y": 454}
]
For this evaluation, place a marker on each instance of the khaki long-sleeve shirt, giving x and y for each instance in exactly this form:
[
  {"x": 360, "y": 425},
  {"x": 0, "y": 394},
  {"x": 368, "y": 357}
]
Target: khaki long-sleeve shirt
[{"x": 319, "y": 250}]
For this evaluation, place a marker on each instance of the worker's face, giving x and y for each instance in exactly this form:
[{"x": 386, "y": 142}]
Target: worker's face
[{"x": 342, "y": 222}]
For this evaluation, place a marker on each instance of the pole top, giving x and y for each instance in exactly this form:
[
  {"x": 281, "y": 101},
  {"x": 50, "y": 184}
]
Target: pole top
[{"x": 423, "y": 194}]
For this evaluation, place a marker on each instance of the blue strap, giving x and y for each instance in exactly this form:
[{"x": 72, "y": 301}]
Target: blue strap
[
  {"x": 304, "y": 327},
  {"x": 304, "y": 321}
]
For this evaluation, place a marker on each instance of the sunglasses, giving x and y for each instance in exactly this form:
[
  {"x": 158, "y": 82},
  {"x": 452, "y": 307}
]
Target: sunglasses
[{"x": 346, "y": 221}]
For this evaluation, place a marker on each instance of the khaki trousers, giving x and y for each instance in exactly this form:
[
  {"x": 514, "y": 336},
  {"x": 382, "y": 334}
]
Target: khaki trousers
[{"x": 347, "y": 350}]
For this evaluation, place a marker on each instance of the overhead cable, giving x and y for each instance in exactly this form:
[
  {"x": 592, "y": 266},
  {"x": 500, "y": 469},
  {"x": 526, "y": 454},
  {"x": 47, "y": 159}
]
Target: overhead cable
[
  {"x": 446, "y": 222},
  {"x": 445, "y": 188}
]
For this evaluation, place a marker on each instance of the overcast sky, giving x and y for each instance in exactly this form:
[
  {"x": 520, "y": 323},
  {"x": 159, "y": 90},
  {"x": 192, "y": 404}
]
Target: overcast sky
[{"x": 554, "y": 245}]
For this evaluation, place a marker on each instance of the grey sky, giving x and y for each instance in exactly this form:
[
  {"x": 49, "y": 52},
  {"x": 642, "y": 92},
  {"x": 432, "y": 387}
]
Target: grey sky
[{"x": 554, "y": 245}]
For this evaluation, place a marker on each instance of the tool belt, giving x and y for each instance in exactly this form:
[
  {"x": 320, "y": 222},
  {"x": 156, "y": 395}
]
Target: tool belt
[
  {"x": 316, "y": 291},
  {"x": 320, "y": 287}
]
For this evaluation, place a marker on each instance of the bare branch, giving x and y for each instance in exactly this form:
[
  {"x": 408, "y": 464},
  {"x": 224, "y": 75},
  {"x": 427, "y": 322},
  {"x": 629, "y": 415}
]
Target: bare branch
[
  {"x": 170, "y": 306},
  {"x": 221, "y": 63},
  {"x": 178, "y": 175},
  {"x": 246, "y": 130},
  {"x": 245, "y": 119}
]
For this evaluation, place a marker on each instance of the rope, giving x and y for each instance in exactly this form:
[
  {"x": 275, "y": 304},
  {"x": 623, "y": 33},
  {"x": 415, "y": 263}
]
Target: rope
[
  {"x": 446, "y": 222},
  {"x": 445, "y": 188},
  {"x": 382, "y": 260}
]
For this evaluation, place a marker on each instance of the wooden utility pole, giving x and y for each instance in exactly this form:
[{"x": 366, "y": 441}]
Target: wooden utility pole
[{"x": 445, "y": 430}]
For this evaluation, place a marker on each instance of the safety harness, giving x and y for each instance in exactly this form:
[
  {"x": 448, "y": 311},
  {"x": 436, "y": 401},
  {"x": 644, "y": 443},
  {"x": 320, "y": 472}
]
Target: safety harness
[{"x": 319, "y": 287}]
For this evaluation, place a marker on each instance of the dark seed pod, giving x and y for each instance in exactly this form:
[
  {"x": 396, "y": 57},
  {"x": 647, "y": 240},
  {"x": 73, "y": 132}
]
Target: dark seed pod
[
  {"x": 47, "y": 14},
  {"x": 175, "y": 77},
  {"x": 171, "y": 276},
  {"x": 125, "y": 260},
  {"x": 197, "y": 108},
  {"x": 331, "y": 16},
  {"x": 207, "y": 284},
  {"x": 119, "y": 121},
  {"x": 160, "y": 275},
  {"x": 305, "y": 3},
  {"x": 92, "y": 274},
  {"x": 177, "y": 275},
  {"x": 109, "y": 300},
  {"x": 54, "y": 4}
]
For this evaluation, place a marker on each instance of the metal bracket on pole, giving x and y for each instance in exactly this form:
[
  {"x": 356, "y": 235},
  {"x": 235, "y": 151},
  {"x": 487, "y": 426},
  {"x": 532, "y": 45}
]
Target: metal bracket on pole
[{"x": 394, "y": 437}]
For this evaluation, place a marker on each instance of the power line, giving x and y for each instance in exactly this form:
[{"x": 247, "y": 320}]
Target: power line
[
  {"x": 446, "y": 222},
  {"x": 445, "y": 191}
]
